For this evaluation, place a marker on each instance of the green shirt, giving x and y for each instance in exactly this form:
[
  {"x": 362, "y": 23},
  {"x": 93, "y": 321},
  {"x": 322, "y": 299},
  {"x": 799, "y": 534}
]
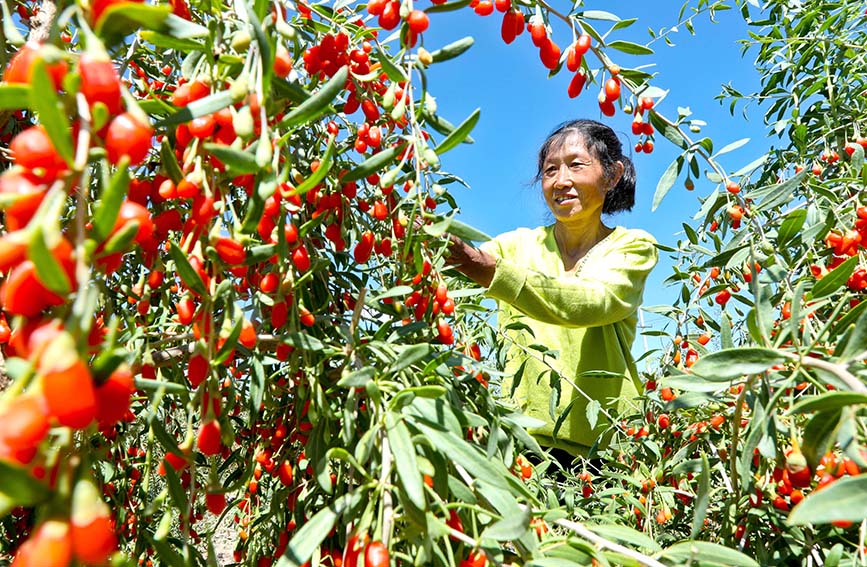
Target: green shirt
[{"x": 590, "y": 317}]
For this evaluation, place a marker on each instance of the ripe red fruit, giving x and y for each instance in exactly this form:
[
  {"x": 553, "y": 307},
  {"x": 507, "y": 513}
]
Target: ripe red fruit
[
  {"x": 503, "y": 5},
  {"x": 798, "y": 470},
  {"x": 582, "y": 44},
  {"x": 208, "y": 440},
  {"x": 538, "y": 32},
  {"x": 25, "y": 193},
  {"x": 24, "y": 423},
  {"x": 127, "y": 136},
  {"x": 197, "y": 370},
  {"x": 484, "y": 8},
  {"x": 282, "y": 62},
  {"x": 94, "y": 542},
  {"x": 215, "y": 502},
  {"x": 573, "y": 58},
  {"x": 733, "y": 187},
  {"x": 100, "y": 82},
  {"x": 69, "y": 395},
  {"x": 33, "y": 150},
  {"x": 301, "y": 259},
  {"x": 723, "y": 297},
  {"x": 20, "y": 68},
  {"x": 376, "y": 555},
  {"x": 390, "y": 17},
  {"x": 24, "y": 294},
  {"x": 549, "y": 53},
  {"x": 576, "y": 85},
  {"x": 418, "y": 21},
  {"x": 113, "y": 396},
  {"x": 230, "y": 251},
  {"x": 364, "y": 247},
  {"x": 307, "y": 318},
  {"x": 49, "y": 546},
  {"x": 663, "y": 421},
  {"x": 612, "y": 89},
  {"x": 133, "y": 212},
  {"x": 100, "y": 6}
]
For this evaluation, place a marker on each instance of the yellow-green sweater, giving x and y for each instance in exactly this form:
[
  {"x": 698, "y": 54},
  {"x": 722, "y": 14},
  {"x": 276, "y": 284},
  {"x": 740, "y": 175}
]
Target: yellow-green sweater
[{"x": 590, "y": 317}]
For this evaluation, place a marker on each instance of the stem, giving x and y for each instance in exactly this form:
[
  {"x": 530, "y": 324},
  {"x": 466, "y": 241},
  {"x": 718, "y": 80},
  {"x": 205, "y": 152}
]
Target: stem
[
  {"x": 603, "y": 543},
  {"x": 837, "y": 370},
  {"x": 387, "y": 503}
]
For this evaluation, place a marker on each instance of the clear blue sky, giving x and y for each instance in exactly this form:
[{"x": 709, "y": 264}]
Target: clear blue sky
[{"x": 520, "y": 106}]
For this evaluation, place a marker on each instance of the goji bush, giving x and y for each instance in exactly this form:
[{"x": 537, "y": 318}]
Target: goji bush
[{"x": 229, "y": 320}]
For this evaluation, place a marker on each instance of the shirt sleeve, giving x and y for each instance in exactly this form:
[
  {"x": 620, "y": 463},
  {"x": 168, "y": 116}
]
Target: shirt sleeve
[{"x": 605, "y": 290}]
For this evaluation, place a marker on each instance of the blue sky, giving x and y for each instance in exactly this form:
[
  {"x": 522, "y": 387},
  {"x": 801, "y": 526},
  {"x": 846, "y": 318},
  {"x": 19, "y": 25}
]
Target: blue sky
[{"x": 520, "y": 106}]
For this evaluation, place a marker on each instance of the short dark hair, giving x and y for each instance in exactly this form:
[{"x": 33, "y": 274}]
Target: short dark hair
[{"x": 604, "y": 145}]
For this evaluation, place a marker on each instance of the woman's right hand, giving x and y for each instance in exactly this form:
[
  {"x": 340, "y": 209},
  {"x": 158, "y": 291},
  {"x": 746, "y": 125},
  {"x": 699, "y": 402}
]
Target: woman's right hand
[{"x": 474, "y": 263}]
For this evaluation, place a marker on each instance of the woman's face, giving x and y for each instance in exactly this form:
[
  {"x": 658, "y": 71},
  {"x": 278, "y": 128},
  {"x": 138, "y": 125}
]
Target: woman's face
[{"x": 574, "y": 183}]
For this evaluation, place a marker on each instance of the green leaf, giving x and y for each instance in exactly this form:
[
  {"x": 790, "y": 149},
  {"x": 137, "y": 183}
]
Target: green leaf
[
  {"x": 447, "y": 7},
  {"x": 459, "y": 134},
  {"x": 664, "y": 128},
  {"x": 405, "y": 459},
  {"x": 466, "y": 232},
  {"x": 828, "y": 401},
  {"x": 857, "y": 341},
  {"x": 317, "y": 176},
  {"x": 394, "y": 72},
  {"x": 312, "y": 533},
  {"x": 726, "y": 365},
  {"x": 626, "y": 535},
  {"x": 702, "y": 497},
  {"x": 256, "y": 204},
  {"x": 318, "y": 103},
  {"x": 443, "y": 126},
  {"x": 791, "y": 226},
  {"x": 836, "y": 278},
  {"x": 170, "y": 42},
  {"x": 48, "y": 269},
  {"x": 509, "y": 527},
  {"x": 14, "y": 96},
  {"x": 819, "y": 435},
  {"x": 666, "y": 182},
  {"x": 19, "y": 488},
  {"x": 238, "y": 161},
  {"x": 303, "y": 341},
  {"x": 396, "y": 291},
  {"x": 108, "y": 207},
  {"x": 706, "y": 553},
  {"x": 52, "y": 115},
  {"x": 732, "y": 147},
  {"x": 123, "y": 18},
  {"x": 202, "y": 107},
  {"x": 410, "y": 355},
  {"x": 358, "y": 378},
  {"x": 599, "y": 15},
  {"x": 185, "y": 270},
  {"x": 169, "y": 161},
  {"x": 452, "y": 50},
  {"x": 630, "y": 48},
  {"x": 845, "y": 499},
  {"x": 371, "y": 165},
  {"x": 776, "y": 194}
]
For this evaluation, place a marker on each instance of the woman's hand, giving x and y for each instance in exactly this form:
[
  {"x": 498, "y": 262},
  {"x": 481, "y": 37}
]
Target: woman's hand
[{"x": 476, "y": 264}]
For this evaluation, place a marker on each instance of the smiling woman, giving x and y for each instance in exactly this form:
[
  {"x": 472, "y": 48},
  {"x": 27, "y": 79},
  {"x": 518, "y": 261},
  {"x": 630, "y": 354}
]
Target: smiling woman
[{"x": 575, "y": 286}]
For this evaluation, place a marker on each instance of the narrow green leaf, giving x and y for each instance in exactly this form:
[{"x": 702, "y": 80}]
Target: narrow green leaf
[
  {"x": 509, "y": 527},
  {"x": 312, "y": 533},
  {"x": 48, "y": 269},
  {"x": 317, "y": 176},
  {"x": 303, "y": 341},
  {"x": 776, "y": 194},
  {"x": 702, "y": 552},
  {"x": 256, "y": 204},
  {"x": 52, "y": 115},
  {"x": 466, "y": 232},
  {"x": 202, "y": 107},
  {"x": 726, "y": 365},
  {"x": 165, "y": 551},
  {"x": 845, "y": 499},
  {"x": 405, "y": 459},
  {"x": 599, "y": 15},
  {"x": 170, "y": 42},
  {"x": 181, "y": 28},
  {"x": 358, "y": 378},
  {"x": 857, "y": 341},
  {"x": 670, "y": 132},
  {"x": 561, "y": 419},
  {"x": 459, "y": 134},
  {"x": 396, "y": 291},
  {"x": 452, "y": 50},
  {"x": 828, "y": 401},
  {"x": 185, "y": 270},
  {"x": 318, "y": 103},
  {"x": 666, "y": 182},
  {"x": 702, "y": 498},
  {"x": 630, "y": 48},
  {"x": 371, "y": 165},
  {"x": 394, "y": 72},
  {"x": 410, "y": 355},
  {"x": 447, "y": 7},
  {"x": 835, "y": 279},
  {"x": 819, "y": 435},
  {"x": 238, "y": 161},
  {"x": 108, "y": 207},
  {"x": 169, "y": 161},
  {"x": 19, "y": 486},
  {"x": 124, "y": 18},
  {"x": 443, "y": 126},
  {"x": 14, "y": 96},
  {"x": 791, "y": 227},
  {"x": 626, "y": 535},
  {"x": 732, "y": 147}
]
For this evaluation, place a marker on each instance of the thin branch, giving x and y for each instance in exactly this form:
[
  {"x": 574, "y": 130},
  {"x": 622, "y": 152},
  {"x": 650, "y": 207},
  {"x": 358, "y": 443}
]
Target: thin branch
[
  {"x": 603, "y": 543},
  {"x": 42, "y": 21},
  {"x": 387, "y": 503},
  {"x": 837, "y": 370}
]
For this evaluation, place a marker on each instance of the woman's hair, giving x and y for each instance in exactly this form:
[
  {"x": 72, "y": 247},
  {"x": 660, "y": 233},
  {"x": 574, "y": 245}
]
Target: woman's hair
[{"x": 604, "y": 145}]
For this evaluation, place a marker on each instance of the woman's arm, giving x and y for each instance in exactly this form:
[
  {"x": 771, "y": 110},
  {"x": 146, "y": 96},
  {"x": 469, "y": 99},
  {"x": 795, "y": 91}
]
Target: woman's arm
[{"x": 476, "y": 264}]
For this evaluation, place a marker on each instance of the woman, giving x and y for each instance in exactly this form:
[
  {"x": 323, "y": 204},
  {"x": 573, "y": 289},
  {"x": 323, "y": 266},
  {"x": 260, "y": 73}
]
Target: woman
[{"x": 576, "y": 284}]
